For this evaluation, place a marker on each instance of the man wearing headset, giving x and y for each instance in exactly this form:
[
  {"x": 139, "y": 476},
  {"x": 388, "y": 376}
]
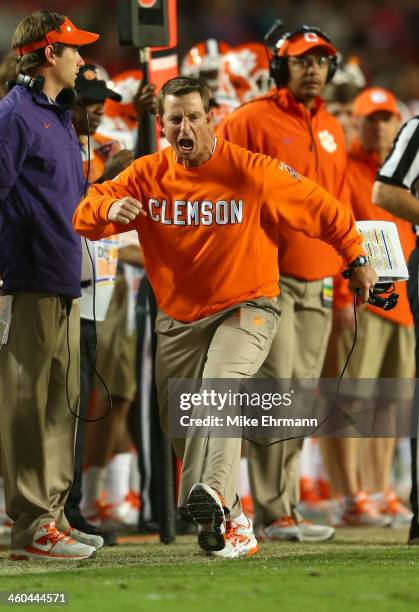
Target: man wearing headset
[
  {"x": 41, "y": 182},
  {"x": 292, "y": 124},
  {"x": 102, "y": 160}
]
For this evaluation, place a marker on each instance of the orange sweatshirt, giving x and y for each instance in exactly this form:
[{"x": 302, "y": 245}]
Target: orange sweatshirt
[
  {"x": 210, "y": 235},
  {"x": 362, "y": 168},
  {"x": 312, "y": 143}
]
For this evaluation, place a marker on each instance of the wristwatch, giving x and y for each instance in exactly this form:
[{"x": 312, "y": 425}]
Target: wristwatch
[{"x": 359, "y": 261}]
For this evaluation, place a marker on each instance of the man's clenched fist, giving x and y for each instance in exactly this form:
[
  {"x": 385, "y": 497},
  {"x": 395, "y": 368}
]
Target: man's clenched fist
[{"x": 126, "y": 210}]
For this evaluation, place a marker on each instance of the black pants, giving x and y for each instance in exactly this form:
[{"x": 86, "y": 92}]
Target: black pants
[
  {"x": 412, "y": 289},
  {"x": 87, "y": 347}
]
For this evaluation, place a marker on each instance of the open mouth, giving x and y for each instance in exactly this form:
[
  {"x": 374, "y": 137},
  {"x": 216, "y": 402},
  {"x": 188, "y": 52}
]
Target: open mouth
[{"x": 186, "y": 145}]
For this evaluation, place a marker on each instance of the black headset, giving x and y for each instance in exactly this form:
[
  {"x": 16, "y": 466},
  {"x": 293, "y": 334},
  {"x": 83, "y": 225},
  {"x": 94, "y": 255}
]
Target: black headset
[
  {"x": 36, "y": 83},
  {"x": 278, "y": 66},
  {"x": 66, "y": 99}
]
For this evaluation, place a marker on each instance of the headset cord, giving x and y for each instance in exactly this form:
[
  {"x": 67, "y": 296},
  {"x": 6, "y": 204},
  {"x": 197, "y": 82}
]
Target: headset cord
[
  {"x": 93, "y": 356},
  {"x": 334, "y": 404}
]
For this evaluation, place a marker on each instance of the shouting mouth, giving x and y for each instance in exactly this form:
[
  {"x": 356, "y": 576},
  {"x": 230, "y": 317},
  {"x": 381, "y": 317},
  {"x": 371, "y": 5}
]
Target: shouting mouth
[{"x": 186, "y": 145}]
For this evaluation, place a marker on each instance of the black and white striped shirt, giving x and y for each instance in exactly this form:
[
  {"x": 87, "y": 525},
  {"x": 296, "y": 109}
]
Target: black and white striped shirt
[{"x": 401, "y": 168}]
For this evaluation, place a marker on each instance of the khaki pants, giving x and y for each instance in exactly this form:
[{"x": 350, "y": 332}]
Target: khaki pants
[
  {"x": 230, "y": 344},
  {"x": 37, "y": 430},
  {"x": 383, "y": 349},
  {"x": 297, "y": 351},
  {"x": 116, "y": 349}
]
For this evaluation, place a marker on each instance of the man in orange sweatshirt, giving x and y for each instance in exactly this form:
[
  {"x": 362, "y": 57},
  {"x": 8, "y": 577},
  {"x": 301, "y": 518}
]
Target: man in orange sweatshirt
[
  {"x": 207, "y": 214},
  {"x": 292, "y": 124}
]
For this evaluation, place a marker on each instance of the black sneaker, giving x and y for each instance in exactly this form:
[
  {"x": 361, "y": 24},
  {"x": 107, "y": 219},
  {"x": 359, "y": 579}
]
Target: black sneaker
[
  {"x": 206, "y": 508},
  {"x": 109, "y": 537}
]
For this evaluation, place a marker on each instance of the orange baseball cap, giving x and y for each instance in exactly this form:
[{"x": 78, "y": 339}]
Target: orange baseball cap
[
  {"x": 375, "y": 99},
  {"x": 301, "y": 43},
  {"x": 68, "y": 35}
]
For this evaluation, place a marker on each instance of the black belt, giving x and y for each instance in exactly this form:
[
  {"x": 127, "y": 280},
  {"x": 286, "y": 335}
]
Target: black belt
[{"x": 85, "y": 284}]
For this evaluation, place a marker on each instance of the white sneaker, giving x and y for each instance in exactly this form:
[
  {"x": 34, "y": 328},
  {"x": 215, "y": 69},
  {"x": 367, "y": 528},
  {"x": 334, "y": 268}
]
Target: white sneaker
[
  {"x": 206, "y": 508},
  {"x": 85, "y": 538},
  {"x": 240, "y": 540},
  {"x": 114, "y": 517},
  {"x": 390, "y": 506},
  {"x": 335, "y": 510},
  {"x": 121, "y": 516},
  {"x": 309, "y": 532},
  {"x": 286, "y": 528},
  {"x": 52, "y": 545},
  {"x": 362, "y": 512}
]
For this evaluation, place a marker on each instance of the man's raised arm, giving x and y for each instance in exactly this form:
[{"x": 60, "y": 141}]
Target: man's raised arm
[
  {"x": 109, "y": 208},
  {"x": 305, "y": 206}
]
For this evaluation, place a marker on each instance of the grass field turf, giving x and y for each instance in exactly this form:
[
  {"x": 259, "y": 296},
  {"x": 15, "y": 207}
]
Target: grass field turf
[{"x": 362, "y": 569}]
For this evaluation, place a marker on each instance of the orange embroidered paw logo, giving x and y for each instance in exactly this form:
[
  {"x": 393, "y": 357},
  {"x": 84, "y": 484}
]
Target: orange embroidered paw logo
[{"x": 257, "y": 320}]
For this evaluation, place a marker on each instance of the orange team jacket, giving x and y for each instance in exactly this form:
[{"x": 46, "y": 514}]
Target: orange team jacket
[
  {"x": 362, "y": 168},
  {"x": 210, "y": 235},
  {"x": 311, "y": 142}
]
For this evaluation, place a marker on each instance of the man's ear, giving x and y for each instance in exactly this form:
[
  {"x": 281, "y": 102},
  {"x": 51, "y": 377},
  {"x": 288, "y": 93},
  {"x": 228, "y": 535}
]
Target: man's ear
[
  {"x": 160, "y": 122},
  {"x": 210, "y": 116},
  {"x": 49, "y": 54}
]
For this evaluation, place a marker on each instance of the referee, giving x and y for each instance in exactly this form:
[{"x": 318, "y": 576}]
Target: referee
[{"x": 396, "y": 189}]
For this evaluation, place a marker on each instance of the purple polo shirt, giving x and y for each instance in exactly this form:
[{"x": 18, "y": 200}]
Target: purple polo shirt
[{"x": 41, "y": 183}]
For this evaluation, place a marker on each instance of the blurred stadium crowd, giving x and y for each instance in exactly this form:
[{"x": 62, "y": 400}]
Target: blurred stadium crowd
[{"x": 384, "y": 35}]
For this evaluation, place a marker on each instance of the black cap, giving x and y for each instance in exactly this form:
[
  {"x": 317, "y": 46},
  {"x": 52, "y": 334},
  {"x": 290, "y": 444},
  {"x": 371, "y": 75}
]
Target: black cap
[{"x": 89, "y": 86}]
